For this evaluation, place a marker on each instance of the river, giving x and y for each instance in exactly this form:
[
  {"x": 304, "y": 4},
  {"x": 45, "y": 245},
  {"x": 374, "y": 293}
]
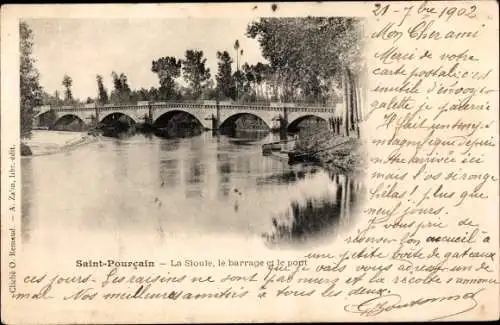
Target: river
[{"x": 160, "y": 187}]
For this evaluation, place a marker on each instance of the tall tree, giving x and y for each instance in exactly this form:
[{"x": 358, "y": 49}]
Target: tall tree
[
  {"x": 195, "y": 71},
  {"x": 67, "y": 82},
  {"x": 102, "y": 93},
  {"x": 236, "y": 48},
  {"x": 224, "y": 77},
  {"x": 308, "y": 53},
  {"x": 57, "y": 97},
  {"x": 250, "y": 86},
  {"x": 168, "y": 69},
  {"x": 30, "y": 89},
  {"x": 124, "y": 83},
  {"x": 116, "y": 83},
  {"x": 121, "y": 93},
  {"x": 237, "y": 73},
  {"x": 254, "y": 77},
  {"x": 239, "y": 81}
]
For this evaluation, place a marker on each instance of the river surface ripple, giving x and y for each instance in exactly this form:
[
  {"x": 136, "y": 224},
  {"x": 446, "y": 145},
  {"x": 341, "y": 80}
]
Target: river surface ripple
[{"x": 158, "y": 187}]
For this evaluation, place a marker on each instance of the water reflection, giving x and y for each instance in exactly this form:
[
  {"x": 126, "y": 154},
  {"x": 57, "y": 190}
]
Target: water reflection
[
  {"x": 168, "y": 172},
  {"x": 171, "y": 145},
  {"x": 157, "y": 186},
  {"x": 247, "y": 135},
  {"x": 289, "y": 176},
  {"x": 316, "y": 216},
  {"x": 194, "y": 177},
  {"x": 224, "y": 168}
]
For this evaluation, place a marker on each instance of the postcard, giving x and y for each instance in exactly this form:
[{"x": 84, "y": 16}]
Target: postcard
[{"x": 249, "y": 162}]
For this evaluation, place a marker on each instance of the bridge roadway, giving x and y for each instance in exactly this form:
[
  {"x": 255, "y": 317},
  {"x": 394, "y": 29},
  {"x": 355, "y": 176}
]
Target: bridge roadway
[{"x": 208, "y": 113}]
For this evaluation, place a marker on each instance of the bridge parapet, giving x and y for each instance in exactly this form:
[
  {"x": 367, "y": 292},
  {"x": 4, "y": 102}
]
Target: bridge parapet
[
  {"x": 316, "y": 109},
  {"x": 71, "y": 109},
  {"x": 110, "y": 107},
  {"x": 204, "y": 105},
  {"x": 181, "y": 105}
]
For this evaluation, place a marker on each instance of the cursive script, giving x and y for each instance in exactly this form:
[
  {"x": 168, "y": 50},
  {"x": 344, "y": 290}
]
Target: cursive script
[{"x": 393, "y": 302}]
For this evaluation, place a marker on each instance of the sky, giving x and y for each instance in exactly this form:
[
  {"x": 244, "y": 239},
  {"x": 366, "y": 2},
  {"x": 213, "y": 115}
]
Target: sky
[{"x": 83, "y": 48}]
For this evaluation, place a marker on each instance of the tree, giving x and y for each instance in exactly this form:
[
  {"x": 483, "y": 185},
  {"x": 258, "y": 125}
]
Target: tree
[
  {"x": 210, "y": 91},
  {"x": 141, "y": 94},
  {"x": 121, "y": 93},
  {"x": 67, "y": 82},
  {"x": 250, "y": 77},
  {"x": 51, "y": 100},
  {"x": 237, "y": 73},
  {"x": 195, "y": 72},
  {"x": 57, "y": 97},
  {"x": 30, "y": 89},
  {"x": 239, "y": 78},
  {"x": 102, "y": 93},
  {"x": 153, "y": 94},
  {"x": 236, "y": 48},
  {"x": 224, "y": 77},
  {"x": 252, "y": 80},
  {"x": 260, "y": 74},
  {"x": 307, "y": 54},
  {"x": 168, "y": 69}
]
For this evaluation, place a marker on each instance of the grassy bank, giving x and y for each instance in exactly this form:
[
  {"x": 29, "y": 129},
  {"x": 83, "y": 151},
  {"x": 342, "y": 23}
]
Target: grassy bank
[{"x": 334, "y": 153}]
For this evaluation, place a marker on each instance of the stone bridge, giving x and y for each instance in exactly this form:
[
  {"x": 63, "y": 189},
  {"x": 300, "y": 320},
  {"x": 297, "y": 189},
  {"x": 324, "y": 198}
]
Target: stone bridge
[{"x": 210, "y": 114}]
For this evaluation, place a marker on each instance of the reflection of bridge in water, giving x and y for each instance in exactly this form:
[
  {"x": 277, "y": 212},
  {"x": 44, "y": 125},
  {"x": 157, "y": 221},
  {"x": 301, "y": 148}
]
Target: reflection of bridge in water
[{"x": 211, "y": 115}]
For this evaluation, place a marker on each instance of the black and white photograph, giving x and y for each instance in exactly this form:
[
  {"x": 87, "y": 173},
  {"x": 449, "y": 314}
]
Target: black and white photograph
[
  {"x": 189, "y": 126},
  {"x": 249, "y": 162}
]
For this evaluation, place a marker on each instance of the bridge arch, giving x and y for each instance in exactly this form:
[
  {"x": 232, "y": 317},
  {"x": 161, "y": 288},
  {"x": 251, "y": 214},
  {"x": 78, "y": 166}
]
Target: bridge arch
[
  {"x": 47, "y": 118},
  {"x": 117, "y": 116},
  {"x": 166, "y": 117},
  {"x": 69, "y": 122},
  {"x": 230, "y": 122},
  {"x": 116, "y": 123},
  {"x": 294, "y": 126},
  {"x": 178, "y": 123}
]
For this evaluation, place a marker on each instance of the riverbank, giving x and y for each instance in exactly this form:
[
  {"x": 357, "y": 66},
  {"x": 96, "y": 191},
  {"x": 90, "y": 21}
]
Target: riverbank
[
  {"x": 334, "y": 153},
  {"x": 42, "y": 143}
]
